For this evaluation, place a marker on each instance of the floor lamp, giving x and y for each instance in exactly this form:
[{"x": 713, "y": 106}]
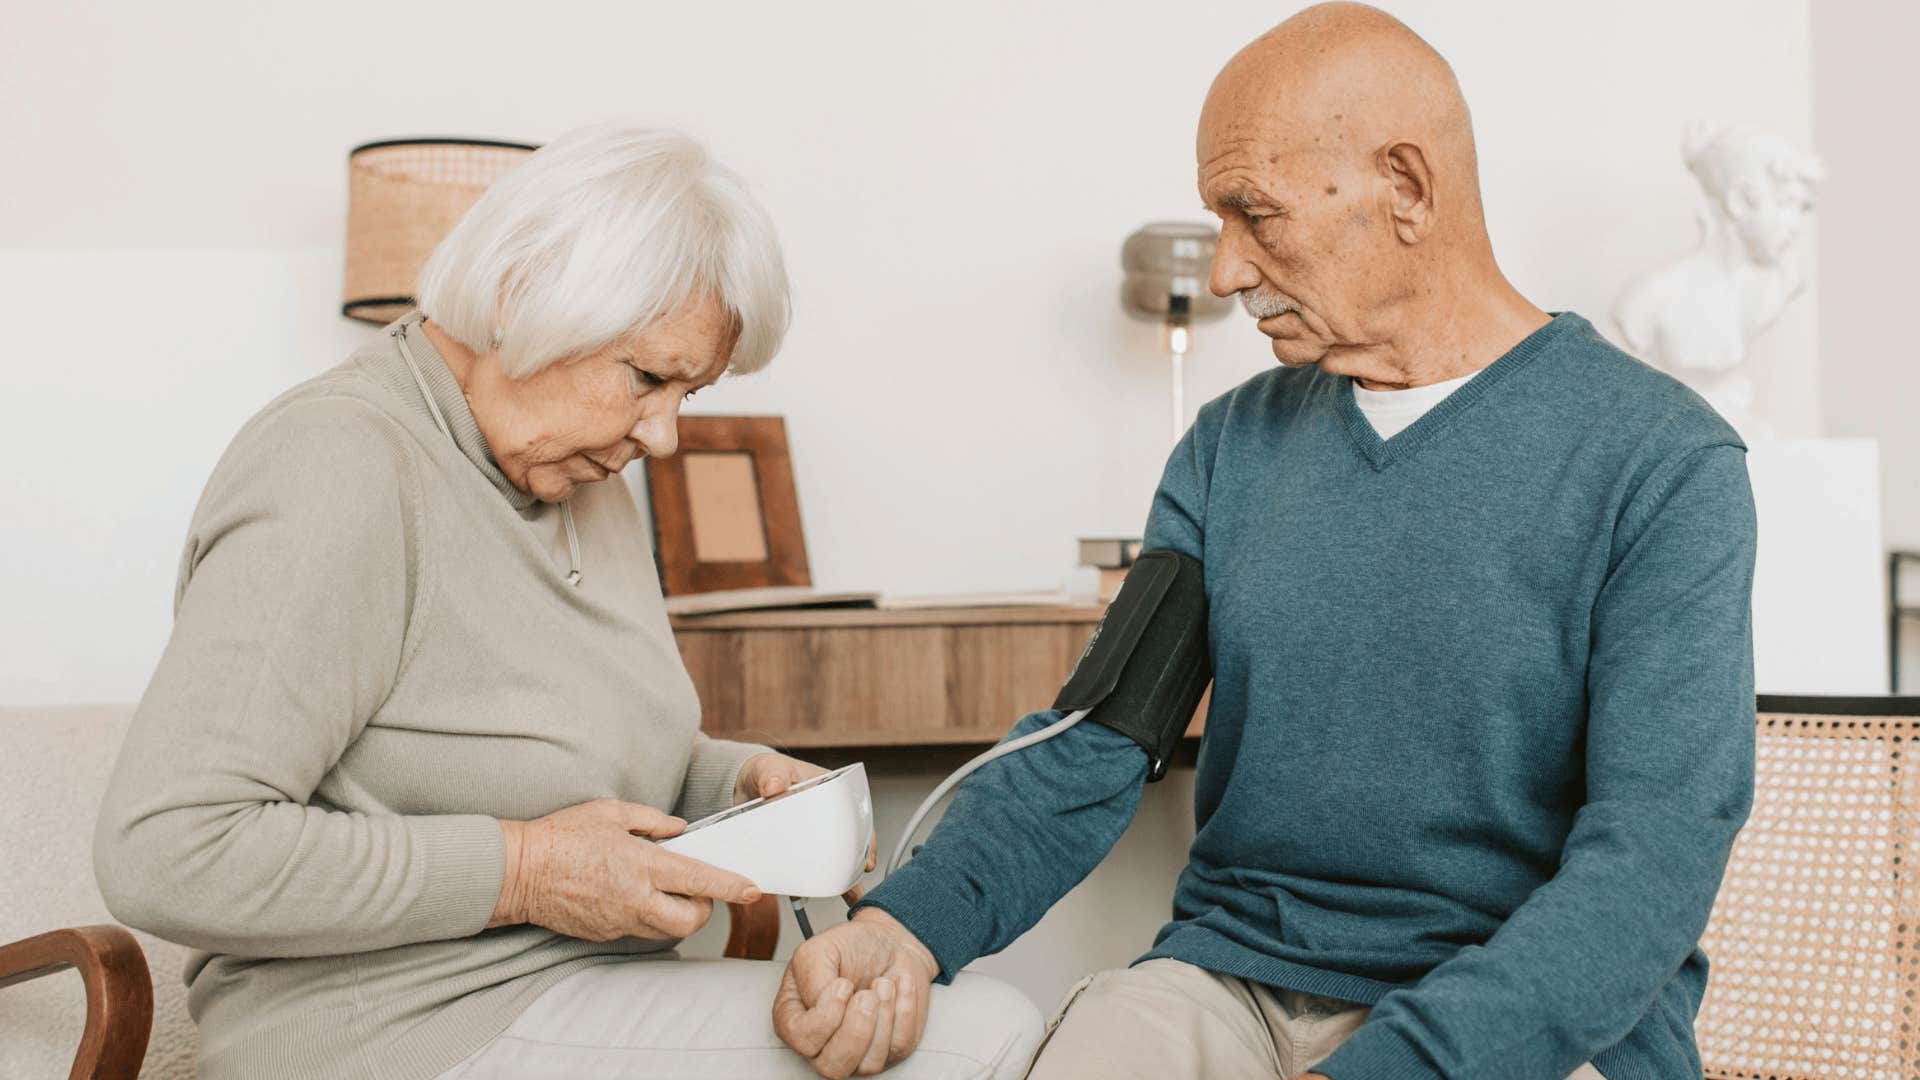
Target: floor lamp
[{"x": 1166, "y": 266}]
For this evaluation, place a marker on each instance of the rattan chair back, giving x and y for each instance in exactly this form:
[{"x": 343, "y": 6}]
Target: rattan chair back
[{"x": 1815, "y": 938}]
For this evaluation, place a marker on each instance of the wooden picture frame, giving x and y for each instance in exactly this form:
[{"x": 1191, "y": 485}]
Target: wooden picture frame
[{"x": 725, "y": 513}]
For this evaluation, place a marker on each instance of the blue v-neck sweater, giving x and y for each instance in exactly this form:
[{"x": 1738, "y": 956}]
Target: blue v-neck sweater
[{"x": 1482, "y": 722}]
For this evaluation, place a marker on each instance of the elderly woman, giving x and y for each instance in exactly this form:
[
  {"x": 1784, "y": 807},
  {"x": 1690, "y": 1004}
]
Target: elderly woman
[{"x": 421, "y": 716}]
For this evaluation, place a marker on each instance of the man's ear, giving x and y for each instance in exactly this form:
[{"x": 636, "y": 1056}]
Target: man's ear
[{"x": 1410, "y": 180}]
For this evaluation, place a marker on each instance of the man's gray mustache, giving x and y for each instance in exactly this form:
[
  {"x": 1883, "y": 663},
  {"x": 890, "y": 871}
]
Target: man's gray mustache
[{"x": 1265, "y": 303}]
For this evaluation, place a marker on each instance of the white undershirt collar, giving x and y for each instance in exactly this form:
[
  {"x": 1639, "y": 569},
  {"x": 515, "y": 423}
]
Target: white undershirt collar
[{"x": 1393, "y": 411}]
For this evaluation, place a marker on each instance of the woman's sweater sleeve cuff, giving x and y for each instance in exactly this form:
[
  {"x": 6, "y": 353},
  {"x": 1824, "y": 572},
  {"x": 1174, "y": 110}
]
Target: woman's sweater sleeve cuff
[
  {"x": 461, "y": 859},
  {"x": 712, "y": 772}
]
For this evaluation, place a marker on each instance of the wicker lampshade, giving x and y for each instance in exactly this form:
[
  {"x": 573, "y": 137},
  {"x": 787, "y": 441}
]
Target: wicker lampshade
[{"x": 403, "y": 196}]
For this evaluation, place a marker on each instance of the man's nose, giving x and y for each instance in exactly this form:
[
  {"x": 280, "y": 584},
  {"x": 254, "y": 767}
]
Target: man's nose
[
  {"x": 1232, "y": 271},
  {"x": 658, "y": 430}
]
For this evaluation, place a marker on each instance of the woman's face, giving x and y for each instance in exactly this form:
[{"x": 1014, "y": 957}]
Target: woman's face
[{"x": 583, "y": 420}]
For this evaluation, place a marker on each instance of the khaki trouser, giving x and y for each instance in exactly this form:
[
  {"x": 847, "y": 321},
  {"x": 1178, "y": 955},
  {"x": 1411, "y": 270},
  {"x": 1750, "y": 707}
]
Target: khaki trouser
[
  {"x": 1169, "y": 1019},
  {"x": 667, "y": 1019}
]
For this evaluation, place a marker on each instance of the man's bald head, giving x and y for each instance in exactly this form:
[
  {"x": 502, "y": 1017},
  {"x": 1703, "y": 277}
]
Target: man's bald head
[
  {"x": 1346, "y": 78},
  {"x": 1338, "y": 151}
]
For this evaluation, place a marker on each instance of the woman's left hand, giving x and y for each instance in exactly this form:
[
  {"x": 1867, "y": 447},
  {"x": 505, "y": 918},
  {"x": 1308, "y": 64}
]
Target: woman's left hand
[{"x": 766, "y": 775}]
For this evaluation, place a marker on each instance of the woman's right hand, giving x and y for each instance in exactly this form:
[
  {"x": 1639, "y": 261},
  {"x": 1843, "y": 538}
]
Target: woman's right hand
[{"x": 592, "y": 871}]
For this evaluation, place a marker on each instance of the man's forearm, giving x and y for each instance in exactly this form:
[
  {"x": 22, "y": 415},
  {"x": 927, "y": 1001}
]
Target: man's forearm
[
  {"x": 1573, "y": 969},
  {"x": 1021, "y": 832}
]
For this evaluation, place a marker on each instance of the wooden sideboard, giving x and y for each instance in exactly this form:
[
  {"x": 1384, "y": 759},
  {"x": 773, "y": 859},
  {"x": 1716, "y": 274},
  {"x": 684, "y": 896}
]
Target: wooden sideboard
[{"x": 860, "y": 677}]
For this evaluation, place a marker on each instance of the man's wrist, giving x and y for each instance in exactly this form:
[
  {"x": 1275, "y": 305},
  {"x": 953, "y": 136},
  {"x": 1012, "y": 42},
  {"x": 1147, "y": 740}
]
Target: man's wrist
[{"x": 906, "y": 938}]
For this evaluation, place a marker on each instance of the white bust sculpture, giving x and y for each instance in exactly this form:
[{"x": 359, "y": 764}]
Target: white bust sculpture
[{"x": 1694, "y": 316}]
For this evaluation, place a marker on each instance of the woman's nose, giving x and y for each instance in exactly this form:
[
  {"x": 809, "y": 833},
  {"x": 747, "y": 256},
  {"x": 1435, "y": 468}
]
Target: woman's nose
[{"x": 658, "y": 431}]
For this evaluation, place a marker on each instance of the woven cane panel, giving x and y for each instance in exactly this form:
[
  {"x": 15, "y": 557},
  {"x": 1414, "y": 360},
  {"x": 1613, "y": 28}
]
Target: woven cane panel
[
  {"x": 1813, "y": 938},
  {"x": 402, "y": 200}
]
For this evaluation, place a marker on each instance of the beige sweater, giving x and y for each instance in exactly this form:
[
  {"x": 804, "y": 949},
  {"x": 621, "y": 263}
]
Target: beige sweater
[{"x": 375, "y": 655}]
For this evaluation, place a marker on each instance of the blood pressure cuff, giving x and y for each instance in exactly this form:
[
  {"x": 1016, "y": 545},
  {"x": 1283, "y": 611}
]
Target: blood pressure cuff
[{"x": 1147, "y": 664}]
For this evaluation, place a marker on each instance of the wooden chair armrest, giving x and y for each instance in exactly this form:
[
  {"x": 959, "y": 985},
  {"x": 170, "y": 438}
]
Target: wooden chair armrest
[
  {"x": 754, "y": 929},
  {"x": 119, "y": 993}
]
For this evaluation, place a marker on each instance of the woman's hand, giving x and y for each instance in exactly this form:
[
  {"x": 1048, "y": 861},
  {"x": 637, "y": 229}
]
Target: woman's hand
[
  {"x": 592, "y": 871},
  {"x": 766, "y": 775}
]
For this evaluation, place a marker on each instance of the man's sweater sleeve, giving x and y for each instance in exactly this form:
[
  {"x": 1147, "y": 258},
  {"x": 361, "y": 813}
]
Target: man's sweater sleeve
[
  {"x": 1021, "y": 832},
  {"x": 1031, "y": 825},
  {"x": 1669, "y": 746},
  {"x": 291, "y": 627}
]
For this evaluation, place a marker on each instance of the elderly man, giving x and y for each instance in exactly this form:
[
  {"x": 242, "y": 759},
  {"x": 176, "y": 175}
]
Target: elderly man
[{"x": 1482, "y": 719}]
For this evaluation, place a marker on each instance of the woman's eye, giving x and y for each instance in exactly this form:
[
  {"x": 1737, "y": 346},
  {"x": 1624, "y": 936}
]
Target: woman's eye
[
  {"x": 690, "y": 394},
  {"x": 644, "y": 380}
]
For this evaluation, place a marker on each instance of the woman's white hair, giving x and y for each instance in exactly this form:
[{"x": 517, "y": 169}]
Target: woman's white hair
[{"x": 596, "y": 235}]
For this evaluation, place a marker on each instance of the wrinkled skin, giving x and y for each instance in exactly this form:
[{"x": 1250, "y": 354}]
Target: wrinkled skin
[{"x": 582, "y": 420}]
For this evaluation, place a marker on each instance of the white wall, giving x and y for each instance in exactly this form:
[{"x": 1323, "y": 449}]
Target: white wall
[
  {"x": 1868, "y": 239},
  {"x": 952, "y": 182}
]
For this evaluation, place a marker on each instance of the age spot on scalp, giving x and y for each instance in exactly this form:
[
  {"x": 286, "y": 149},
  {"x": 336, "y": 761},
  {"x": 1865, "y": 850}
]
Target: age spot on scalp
[{"x": 1333, "y": 189}]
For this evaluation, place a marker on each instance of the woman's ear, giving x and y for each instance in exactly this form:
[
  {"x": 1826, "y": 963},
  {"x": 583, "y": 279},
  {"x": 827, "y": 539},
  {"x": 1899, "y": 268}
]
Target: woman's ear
[{"x": 1410, "y": 180}]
